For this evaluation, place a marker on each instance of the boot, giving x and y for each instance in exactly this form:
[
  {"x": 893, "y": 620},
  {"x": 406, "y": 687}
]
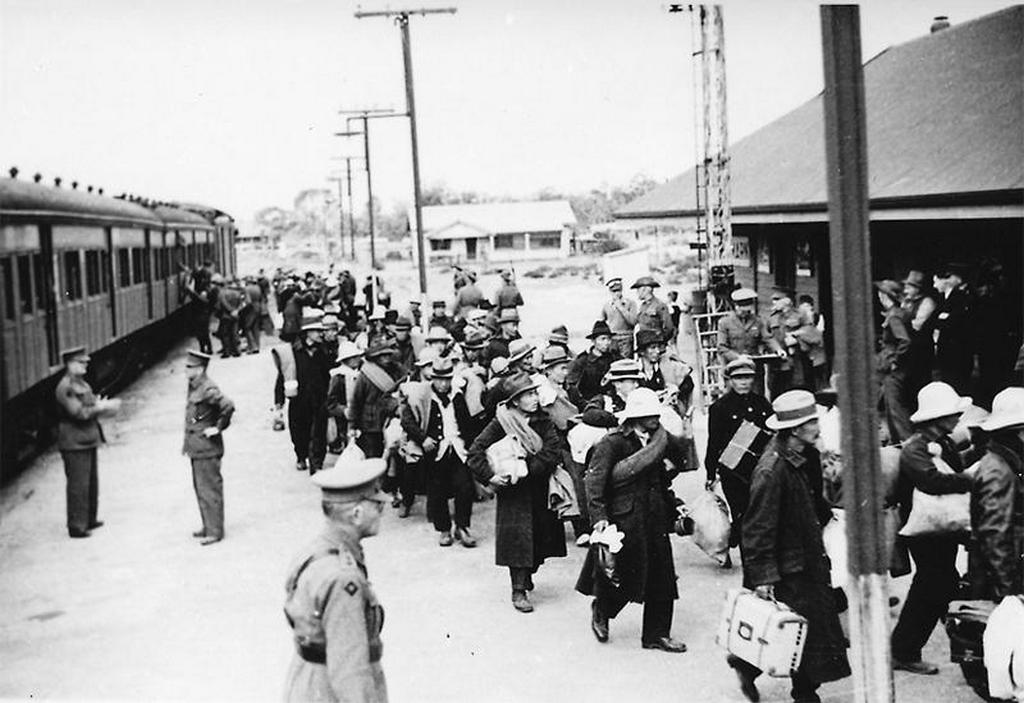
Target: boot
[{"x": 598, "y": 622}]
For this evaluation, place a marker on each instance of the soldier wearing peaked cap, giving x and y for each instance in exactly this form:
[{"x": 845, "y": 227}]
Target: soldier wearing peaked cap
[
  {"x": 78, "y": 435},
  {"x": 742, "y": 333},
  {"x": 207, "y": 414},
  {"x": 330, "y": 605}
]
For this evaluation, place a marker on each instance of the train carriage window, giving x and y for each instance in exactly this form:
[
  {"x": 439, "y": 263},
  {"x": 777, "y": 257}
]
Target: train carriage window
[
  {"x": 72, "y": 275},
  {"x": 124, "y": 268},
  {"x": 140, "y": 270},
  {"x": 25, "y": 283},
  {"x": 105, "y": 271},
  {"x": 8, "y": 274},
  {"x": 44, "y": 277},
  {"x": 92, "y": 272}
]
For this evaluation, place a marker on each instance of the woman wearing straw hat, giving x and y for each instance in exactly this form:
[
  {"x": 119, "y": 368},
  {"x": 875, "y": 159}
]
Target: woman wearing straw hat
[
  {"x": 935, "y": 576},
  {"x": 526, "y": 531},
  {"x": 997, "y": 503},
  {"x": 783, "y": 554}
]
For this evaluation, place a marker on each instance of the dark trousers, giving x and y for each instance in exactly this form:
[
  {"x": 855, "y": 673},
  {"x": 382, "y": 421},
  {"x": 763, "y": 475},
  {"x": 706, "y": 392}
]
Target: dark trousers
[
  {"x": 407, "y": 475},
  {"x": 931, "y": 590},
  {"x": 521, "y": 577},
  {"x": 894, "y": 404},
  {"x": 201, "y": 330},
  {"x": 804, "y": 689},
  {"x": 228, "y": 333},
  {"x": 448, "y": 476},
  {"x": 83, "y": 487},
  {"x": 251, "y": 328},
  {"x": 779, "y": 381},
  {"x": 657, "y": 613},
  {"x": 209, "y": 486},
  {"x": 737, "y": 495},
  {"x": 307, "y": 425}
]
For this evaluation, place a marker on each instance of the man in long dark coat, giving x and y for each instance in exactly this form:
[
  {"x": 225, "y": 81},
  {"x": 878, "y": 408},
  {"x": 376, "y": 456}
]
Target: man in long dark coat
[
  {"x": 783, "y": 553},
  {"x": 628, "y": 486},
  {"x": 587, "y": 371},
  {"x": 954, "y": 350},
  {"x": 373, "y": 400},
  {"x": 526, "y": 532}
]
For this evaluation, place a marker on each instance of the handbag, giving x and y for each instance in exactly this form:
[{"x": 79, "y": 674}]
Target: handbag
[{"x": 938, "y": 515}]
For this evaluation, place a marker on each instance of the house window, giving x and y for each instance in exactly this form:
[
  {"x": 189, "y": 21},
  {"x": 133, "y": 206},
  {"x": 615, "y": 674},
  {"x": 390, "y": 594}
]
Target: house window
[
  {"x": 804, "y": 258},
  {"x": 440, "y": 244},
  {"x": 741, "y": 252},
  {"x": 510, "y": 241},
  {"x": 764, "y": 257},
  {"x": 546, "y": 240}
]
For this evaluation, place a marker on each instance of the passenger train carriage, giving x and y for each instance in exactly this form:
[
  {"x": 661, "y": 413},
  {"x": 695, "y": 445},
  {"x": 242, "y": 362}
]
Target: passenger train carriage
[{"x": 78, "y": 268}]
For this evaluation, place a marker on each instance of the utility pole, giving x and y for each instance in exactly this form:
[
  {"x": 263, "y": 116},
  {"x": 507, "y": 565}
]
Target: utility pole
[
  {"x": 846, "y": 152},
  {"x": 341, "y": 213},
  {"x": 402, "y": 20},
  {"x": 351, "y": 203}
]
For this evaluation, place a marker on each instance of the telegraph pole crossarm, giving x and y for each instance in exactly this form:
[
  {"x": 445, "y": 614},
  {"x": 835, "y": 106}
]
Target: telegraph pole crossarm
[{"x": 402, "y": 20}]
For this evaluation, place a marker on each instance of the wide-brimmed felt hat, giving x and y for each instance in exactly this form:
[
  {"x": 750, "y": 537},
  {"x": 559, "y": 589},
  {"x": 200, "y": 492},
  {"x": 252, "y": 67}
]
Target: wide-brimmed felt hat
[
  {"x": 938, "y": 399},
  {"x": 442, "y": 367},
  {"x": 348, "y": 350},
  {"x": 742, "y": 296},
  {"x": 645, "y": 281},
  {"x": 600, "y": 329},
  {"x": 645, "y": 338},
  {"x": 916, "y": 279},
  {"x": 352, "y": 481},
  {"x": 403, "y": 323},
  {"x": 508, "y": 315},
  {"x": 475, "y": 339},
  {"x": 379, "y": 347},
  {"x": 623, "y": 370},
  {"x": 438, "y": 334},
  {"x": 519, "y": 349},
  {"x": 312, "y": 319},
  {"x": 740, "y": 366},
  {"x": 957, "y": 268},
  {"x": 518, "y": 384},
  {"x": 792, "y": 409},
  {"x": 559, "y": 335},
  {"x": 426, "y": 357},
  {"x": 1007, "y": 410},
  {"x": 643, "y": 402},
  {"x": 552, "y": 356},
  {"x": 499, "y": 366}
]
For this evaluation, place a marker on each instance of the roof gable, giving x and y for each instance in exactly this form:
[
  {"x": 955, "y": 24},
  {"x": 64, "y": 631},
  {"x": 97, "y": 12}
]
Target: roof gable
[
  {"x": 944, "y": 117},
  {"x": 502, "y": 218}
]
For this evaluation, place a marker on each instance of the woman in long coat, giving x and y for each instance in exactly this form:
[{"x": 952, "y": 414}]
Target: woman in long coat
[
  {"x": 783, "y": 553},
  {"x": 527, "y": 532}
]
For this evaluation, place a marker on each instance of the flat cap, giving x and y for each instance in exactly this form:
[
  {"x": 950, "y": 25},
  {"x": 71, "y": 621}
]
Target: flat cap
[{"x": 741, "y": 366}]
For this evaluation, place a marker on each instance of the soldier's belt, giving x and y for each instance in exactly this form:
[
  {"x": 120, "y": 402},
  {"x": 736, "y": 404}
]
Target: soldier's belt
[{"x": 314, "y": 654}]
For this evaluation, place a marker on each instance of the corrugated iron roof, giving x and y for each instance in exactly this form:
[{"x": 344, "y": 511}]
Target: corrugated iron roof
[
  {"x": 502, "y": 218},
  {"x": 945, "y": 118}
]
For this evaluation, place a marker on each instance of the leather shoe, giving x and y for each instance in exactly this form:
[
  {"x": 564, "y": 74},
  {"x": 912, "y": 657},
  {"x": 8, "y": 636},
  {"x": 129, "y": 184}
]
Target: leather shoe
[
  {"x": 919, "y": 667},
  {"x": 468, "y": 540},
  {"x": 300, "y": 465},
  {"x": 666, "y": 644},
  {"x": 598, "y": 623},
  {"x": 521, "y": 603},
  {"x": 94, "y": 525},
  {"x": 206, "y": 541},
  {"x": 747, "y": 686},
  {"x": 405, "y": 511},
  {"x": 444, "y": 539},
  {"x": 529, "y": 582},
  {"x": 78, "y": 534},
  {"x": 199, "y": 533}
]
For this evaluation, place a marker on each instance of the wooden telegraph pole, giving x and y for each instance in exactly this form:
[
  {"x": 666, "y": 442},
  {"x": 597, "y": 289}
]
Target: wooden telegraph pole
[
  {"x": 849, "y": 243},
  {"x": 402, "y": 20}
]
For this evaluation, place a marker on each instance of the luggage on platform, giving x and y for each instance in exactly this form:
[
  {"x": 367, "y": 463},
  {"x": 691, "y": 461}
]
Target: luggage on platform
[
  {"x": 764, "y": 633},
  {"x": 744, "y": 449}
]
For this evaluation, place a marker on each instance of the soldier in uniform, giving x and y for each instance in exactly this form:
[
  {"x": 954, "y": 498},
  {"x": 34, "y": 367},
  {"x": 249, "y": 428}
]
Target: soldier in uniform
[
  {"x": 653, "y": 314},
  {"x": 783, "y": 320},
  {"x": 332, "y": 609},
  {"x": 78, "y": 435},
  {"x": 621, "y": 315},
  {"x": 739, "y": 403},
  {"x": 742, "y": 333},
  {"x": 508, "y": 295},
  {"x": 207, "y": 414}
]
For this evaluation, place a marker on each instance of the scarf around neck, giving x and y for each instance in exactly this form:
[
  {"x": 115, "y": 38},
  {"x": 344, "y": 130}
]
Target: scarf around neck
[{"x": 516, "y": 423}]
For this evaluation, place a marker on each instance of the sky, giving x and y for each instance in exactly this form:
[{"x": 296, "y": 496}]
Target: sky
[{"x": 235, "y": 102}]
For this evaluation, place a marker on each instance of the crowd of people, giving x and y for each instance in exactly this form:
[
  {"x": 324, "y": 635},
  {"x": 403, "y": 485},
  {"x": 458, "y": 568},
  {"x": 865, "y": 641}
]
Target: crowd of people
[{"x": 385, "y": 406}]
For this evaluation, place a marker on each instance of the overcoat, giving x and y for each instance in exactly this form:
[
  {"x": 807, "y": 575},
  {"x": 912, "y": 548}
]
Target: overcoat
[
  {"x": 997, "y": 521},
  {"x": 642, "y": 508},
  {"x": 79, "y": 426},
  {"x": 586, "y": 375},
  {"x": 782, "y": 545},
  {"x": 527, "y": 532}
]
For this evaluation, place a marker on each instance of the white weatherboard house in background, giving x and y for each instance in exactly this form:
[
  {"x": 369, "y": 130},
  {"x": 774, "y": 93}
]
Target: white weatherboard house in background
[{"x": 498, "y": 232}]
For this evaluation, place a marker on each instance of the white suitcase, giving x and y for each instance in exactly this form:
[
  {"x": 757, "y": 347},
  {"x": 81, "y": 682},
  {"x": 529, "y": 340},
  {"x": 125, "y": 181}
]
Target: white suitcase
[{"x": 761, "y": 632}]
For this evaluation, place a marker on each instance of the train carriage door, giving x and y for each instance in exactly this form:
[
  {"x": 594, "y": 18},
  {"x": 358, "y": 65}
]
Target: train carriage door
[
  {"x": 46, "y": 292},
  {"x": 107, "y": 265},
  {"x": 147, "y": 272}
]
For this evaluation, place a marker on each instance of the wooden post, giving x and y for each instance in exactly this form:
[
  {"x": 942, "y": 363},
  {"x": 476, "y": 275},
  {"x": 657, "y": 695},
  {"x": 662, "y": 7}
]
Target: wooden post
[{"x": 852, "y": 291}]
